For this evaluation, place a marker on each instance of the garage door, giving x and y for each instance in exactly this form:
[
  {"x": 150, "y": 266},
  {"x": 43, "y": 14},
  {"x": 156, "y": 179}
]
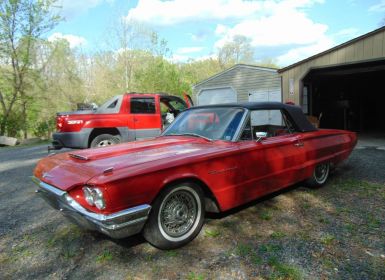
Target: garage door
[
  {"x": 217, "y": 96},
  {"x": 266, "y": 116}
]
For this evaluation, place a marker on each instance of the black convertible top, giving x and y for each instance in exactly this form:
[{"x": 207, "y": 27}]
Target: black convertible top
[{"x": 294, "y": 112}]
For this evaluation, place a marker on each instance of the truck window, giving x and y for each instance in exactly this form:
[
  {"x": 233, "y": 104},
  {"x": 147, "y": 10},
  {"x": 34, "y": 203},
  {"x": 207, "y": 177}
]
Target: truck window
[
  {"x": 111, "y": 106},
  {"x": 142, "y": 105}
]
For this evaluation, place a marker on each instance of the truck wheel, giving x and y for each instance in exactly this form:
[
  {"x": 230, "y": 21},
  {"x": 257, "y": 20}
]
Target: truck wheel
[
  {"x": 176, "y": 217},
  {"x": 104, "y": 140}
]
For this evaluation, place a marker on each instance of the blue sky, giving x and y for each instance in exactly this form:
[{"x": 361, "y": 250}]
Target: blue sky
[{"x": 287, "y": 30}]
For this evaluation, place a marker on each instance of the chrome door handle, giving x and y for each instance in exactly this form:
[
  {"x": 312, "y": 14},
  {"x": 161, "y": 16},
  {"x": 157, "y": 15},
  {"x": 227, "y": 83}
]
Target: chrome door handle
[{"x": 298, "y": 144}]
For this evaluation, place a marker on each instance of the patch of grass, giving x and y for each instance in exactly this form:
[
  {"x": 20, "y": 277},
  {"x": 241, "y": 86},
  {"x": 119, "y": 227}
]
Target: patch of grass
[
  {"x": 304, "y": 235},
  {"x": 194, "y": 276},
  {"x": 328, "y": 239},
  {"x": 243, "y": 250},
  {"x": 212, "y": 233},
  {"x": 340, "y": 210},
  {"x": 171, "y": 253},
  {"x": 270, "y": 248},
  {"x": 266, "y": 215},
  {"x": 155, "y": 269},
  {"x": 65, "y": 235},
  {"x": 246, "y": 251},
  {"x": 364, "y": 187},
  {"x": 277, "y": 234},
  {"x": 20, "y": 252},
  {"x": 373, "y": 222},
  {"x": 67, "y": 253},
  {"x": 328, "y": 263},
  {"x": 255, "y": 259},
  {"x": 4, "y": 259},
  {"x": 148, "y": 257},
  {"x": 306, "y": 205},
  {"x": 349, "y": 227},
  {"x": 283, "y": 271},
  {"x": 51, "y": 241},
  {"x": 323, "y": 220},
  {"x": 104, "y": 257}
]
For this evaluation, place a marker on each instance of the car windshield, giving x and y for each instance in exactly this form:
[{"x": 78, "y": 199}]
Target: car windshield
[{"x": 210, "y": 123}]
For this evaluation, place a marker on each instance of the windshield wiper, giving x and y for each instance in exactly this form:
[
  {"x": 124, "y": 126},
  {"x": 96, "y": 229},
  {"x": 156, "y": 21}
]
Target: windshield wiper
[{"x": 189, "y": 134}]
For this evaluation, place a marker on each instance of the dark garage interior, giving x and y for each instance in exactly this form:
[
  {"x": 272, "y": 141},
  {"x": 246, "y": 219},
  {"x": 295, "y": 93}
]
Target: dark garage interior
[{"x": 347, "y": 97}]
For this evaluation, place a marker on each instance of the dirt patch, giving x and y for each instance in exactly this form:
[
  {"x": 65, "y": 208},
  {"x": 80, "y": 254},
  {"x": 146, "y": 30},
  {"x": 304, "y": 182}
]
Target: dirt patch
[{"x": 336, "y": 232}]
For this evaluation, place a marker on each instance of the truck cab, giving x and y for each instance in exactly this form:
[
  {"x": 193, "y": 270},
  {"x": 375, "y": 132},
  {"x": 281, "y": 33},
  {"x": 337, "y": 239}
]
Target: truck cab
[{"x": 123, "y": 118}]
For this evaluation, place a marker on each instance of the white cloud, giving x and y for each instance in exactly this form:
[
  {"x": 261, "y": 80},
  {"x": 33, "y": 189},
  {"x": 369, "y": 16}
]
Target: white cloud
[
  {"x": 268, "y": 23},
  {"x": 285, "y": 24},
  {"x": 177, "y": 11},
  {"x": 378, "y": 8},
  {"x": 189, "y": 50},
  {"x": 73, "y": 40},
  {"x": 221, "y": 29},
  {"x": 299, "y": 53},
  {"x": 73, "y": 8}
]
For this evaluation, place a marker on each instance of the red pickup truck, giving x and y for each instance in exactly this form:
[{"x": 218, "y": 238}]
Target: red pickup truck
[{"x": 123, "y": 118}]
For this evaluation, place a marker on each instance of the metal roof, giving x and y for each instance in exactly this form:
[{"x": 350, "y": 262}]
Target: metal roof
[
  {"x": 333, "y": 49},
  {"x": 254, "y": 67}
]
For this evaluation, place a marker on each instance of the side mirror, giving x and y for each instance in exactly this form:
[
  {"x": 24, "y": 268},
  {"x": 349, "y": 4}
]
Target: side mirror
[{"x": 260, "y": 135}]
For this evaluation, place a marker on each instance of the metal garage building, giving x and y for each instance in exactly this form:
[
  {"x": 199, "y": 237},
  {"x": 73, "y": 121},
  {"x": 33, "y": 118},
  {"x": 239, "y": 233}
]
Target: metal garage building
[
  {"x": 239, "y": 83},
  {"x": 346, "y": 84}
]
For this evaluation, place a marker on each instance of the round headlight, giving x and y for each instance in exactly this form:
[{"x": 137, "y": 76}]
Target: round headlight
[
  {"x": 88, "y": 195},
  {"x": 98, "y": 199}
]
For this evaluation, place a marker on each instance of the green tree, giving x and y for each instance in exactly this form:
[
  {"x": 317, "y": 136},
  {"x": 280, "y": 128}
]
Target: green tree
[
  {"x": 160, "y": 75},
  {"x": 239, "y": 50},
  {"x": 22, "y": 22},
  {"x": 57, "y": 85}
]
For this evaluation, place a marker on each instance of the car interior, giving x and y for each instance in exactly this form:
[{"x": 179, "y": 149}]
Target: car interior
[{"x": 271, "y": 122}]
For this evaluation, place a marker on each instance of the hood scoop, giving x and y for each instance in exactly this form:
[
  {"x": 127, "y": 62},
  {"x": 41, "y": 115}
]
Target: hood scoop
[{"x": 78, "y": 156}]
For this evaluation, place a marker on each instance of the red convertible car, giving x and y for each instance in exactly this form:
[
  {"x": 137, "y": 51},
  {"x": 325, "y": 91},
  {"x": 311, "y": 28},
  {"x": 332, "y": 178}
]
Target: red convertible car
[{"x": 210, "y": 159}]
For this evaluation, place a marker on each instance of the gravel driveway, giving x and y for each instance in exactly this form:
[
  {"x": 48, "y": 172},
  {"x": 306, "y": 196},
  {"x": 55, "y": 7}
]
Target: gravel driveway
[{"x": 336, "y": 232}]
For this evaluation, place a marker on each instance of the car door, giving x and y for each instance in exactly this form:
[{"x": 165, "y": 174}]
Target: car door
[
  {"x": 145, "y": 116},
  {"x": 272, "y": 162}
]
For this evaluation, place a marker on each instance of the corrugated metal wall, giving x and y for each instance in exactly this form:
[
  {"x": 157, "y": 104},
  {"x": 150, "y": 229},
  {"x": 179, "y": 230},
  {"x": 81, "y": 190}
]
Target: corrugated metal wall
[
  {"x": 370, "y": 47},
  {"x": 243, "y": 79}
]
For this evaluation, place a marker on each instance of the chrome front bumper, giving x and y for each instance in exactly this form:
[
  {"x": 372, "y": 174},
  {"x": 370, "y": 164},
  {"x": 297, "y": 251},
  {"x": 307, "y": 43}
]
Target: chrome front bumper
[{"x": 117, "y": 225}]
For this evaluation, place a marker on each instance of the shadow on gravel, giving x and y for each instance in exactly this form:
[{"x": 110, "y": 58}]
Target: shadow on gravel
[{"x": 129, "y": 242}]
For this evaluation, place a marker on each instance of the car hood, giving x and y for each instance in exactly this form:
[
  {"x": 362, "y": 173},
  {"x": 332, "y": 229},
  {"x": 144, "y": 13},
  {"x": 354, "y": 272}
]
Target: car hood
[{"x": 68, "y": 170}]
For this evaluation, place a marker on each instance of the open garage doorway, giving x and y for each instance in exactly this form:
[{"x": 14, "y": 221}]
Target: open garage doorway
[{"x": 347, "y": 97}]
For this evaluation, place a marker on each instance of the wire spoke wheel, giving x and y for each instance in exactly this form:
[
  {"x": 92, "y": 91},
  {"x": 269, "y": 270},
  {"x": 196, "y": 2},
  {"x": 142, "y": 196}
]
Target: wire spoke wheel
[
  {"x": 178, "y": 213},
  {"x": 321, "y": 172},
  {"x": 176, "y": 217}
]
